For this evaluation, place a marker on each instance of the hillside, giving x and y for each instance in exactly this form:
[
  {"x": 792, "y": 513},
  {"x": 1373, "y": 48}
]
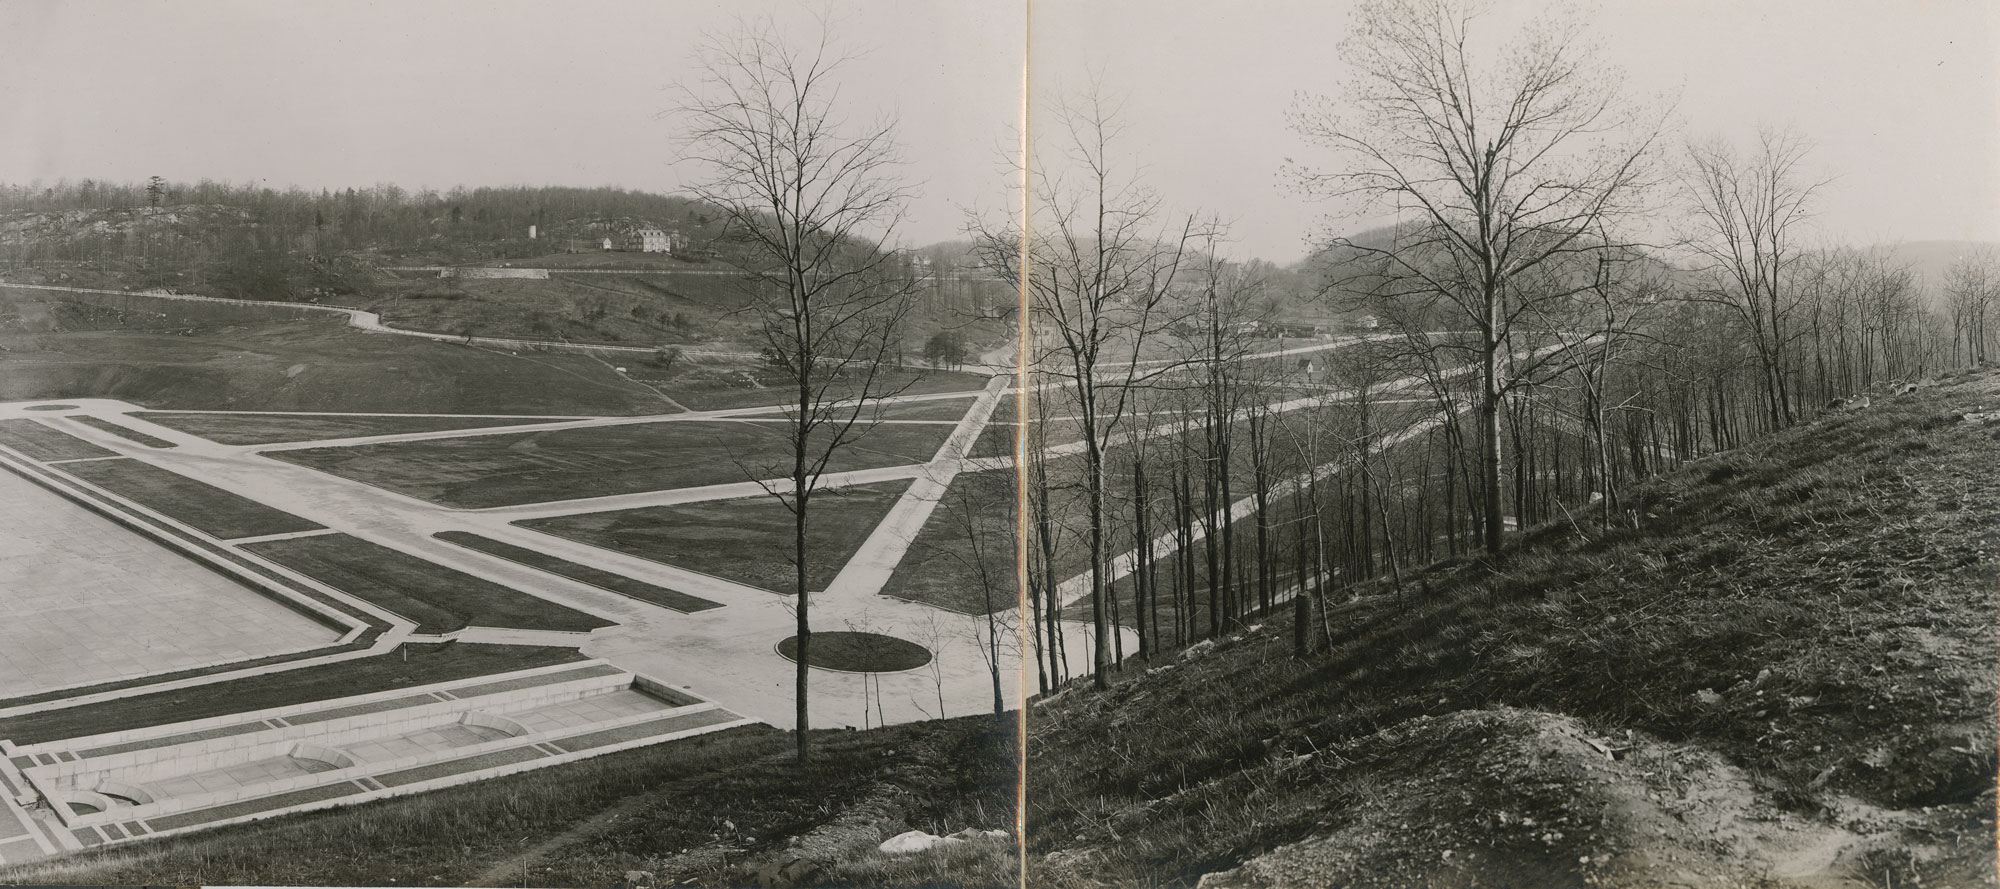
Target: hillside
[
  {"x": 1931, "y": 259},
  {"x": 248, "y": 242},
  {"x": 1778, "y": 670},
  {"x": 195, "y": 356},
  {"x": 726, "y": 809}
]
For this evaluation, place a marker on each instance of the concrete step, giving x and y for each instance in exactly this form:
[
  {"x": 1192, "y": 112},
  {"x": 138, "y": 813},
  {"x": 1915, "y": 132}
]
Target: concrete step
[{"x": 107, "y": 789}]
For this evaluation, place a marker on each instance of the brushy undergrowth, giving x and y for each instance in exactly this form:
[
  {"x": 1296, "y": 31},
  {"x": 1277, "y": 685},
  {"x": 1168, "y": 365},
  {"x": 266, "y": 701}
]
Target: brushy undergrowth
[{"x": 1818, "y": 608}]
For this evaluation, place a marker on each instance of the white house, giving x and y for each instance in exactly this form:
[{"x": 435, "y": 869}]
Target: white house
[{"x": 653, "y": 240}]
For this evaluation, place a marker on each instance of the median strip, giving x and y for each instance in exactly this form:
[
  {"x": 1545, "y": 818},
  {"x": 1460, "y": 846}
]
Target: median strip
[{"x": 604, "y": 580}]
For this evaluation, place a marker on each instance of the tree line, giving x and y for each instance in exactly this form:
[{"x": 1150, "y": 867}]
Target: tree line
[{"x": 1564, "y": 300}]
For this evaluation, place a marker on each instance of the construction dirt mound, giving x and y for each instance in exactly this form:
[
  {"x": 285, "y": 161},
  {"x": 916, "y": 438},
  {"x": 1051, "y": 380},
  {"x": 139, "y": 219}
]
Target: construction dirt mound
[{"x": 1522, "y": 798}]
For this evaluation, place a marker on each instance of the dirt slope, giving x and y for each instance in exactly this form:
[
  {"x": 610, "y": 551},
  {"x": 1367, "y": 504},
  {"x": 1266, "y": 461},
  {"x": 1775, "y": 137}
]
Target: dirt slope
[{"x": 1784, "y": 675}]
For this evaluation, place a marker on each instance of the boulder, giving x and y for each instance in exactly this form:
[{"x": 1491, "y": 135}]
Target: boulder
[{"x": 913, "y": 841}]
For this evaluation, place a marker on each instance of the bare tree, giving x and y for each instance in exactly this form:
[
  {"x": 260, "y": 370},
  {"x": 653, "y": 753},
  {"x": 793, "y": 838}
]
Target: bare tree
[
  {"x": 1096, "y": 274},
  {"x": 1747, "y": 211},
  {"x": 1491, "y": 168},
  {"x": 1971, "y": 289},
  {"x": 814, "y": 202}
]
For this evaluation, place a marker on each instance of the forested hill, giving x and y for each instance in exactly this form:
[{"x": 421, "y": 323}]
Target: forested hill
[
  {"x": 383, "y": 217},
  {"x": 250, "y": 242},
  {"x": 1777, "y": 668}
]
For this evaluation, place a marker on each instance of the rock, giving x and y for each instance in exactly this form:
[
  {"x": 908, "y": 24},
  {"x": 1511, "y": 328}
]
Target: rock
[
  {"x": 974, "y": 833},
  {"x": 913, "y": 841},
  {"x": 1198, "y": 649},
  {"x": 639, "y": 877},
  {"x": 1068, "y": 858},
  {"x": 1708, "y": 696}
]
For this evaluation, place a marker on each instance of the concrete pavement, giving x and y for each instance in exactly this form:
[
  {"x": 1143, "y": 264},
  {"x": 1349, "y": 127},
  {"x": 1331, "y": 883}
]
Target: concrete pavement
[{"x": 725, "y": 654}]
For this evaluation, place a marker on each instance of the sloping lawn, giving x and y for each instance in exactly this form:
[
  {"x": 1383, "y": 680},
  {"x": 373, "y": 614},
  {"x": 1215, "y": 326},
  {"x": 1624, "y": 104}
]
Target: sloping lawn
[{"x": 748, "y": 540}]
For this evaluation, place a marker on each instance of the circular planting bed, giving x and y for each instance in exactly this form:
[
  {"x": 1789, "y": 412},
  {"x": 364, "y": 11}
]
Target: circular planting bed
[
  {"x": 50, "y": 407},
  {"x": 859, "y": 652}
]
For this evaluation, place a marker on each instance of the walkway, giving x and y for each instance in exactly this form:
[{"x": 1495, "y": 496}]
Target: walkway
[{"x": 724, "y": 654}]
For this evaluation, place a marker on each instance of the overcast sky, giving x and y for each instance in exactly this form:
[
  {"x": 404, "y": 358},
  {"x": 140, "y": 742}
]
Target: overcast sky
[{"x": 1902, "y": 97}]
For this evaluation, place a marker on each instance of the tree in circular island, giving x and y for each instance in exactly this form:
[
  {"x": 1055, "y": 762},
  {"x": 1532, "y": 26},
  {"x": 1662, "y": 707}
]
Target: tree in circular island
[{"x": 851, "y": 652}]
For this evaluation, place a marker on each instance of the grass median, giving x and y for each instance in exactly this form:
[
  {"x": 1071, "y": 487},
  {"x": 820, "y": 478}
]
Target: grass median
[
  {"x": 406, "y": 666},
  {"x": 210, "y": 509},
  {"x": 39, "y": 442},
  {"x": 748, "y": 539},
  {"x": 617, "y": 583},
  {"x": 437, "y": 598},
  {"x": 123, "y": 432}
]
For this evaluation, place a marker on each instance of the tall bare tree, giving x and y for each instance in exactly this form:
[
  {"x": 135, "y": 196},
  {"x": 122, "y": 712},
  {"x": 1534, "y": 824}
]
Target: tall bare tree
[
  {"x": 1491, "y": 165},
  {"x": 1097, "y": 271},
  {"x": 814, "y": 201},
  {"x": 1971, "y": 290},
  {"x": 1747, "y": 213}
]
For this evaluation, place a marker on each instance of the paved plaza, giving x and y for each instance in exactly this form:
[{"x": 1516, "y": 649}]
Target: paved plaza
[{"x": 83, "y": 600}]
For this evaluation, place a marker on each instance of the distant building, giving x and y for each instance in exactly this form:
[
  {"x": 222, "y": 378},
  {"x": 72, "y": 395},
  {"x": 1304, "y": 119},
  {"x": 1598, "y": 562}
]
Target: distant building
[
  {"x": 653, "y": 240},
  {"x": 607, "y": 244}
]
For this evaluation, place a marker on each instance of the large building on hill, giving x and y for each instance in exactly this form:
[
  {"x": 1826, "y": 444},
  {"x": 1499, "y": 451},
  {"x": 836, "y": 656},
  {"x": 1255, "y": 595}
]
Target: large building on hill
[{"x": 653, "y": 240}]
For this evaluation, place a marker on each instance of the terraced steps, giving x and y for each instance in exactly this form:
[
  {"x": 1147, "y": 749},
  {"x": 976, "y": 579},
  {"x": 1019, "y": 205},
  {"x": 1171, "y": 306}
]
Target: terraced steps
[{"x": 126, "y": 785}]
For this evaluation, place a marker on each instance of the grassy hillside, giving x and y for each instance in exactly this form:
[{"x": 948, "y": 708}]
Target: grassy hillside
[
  {"x": 1779, "y": 667},
  {"x": 231, "y": 358},
  {"x": 713, "y": 810}
]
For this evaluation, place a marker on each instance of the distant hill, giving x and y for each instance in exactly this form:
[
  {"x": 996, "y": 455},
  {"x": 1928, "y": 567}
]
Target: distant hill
[{"x": 1931, "y": 258}]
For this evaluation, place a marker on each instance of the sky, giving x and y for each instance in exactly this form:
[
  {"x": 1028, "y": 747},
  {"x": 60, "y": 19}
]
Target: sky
[{"x": 1901, "y": 98}]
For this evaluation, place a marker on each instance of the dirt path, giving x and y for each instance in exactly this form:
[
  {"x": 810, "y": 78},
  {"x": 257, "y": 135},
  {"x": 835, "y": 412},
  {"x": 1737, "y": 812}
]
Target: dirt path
[{"x": 514, "y": 869}]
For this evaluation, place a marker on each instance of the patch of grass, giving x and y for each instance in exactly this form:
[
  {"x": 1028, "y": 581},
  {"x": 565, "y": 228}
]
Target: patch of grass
[
  {"x": 536, "y": 467},
  {"x": 124, "y": 432},
  {"x": 38, "y": 442},
  {"x": 366, "y": 639},
  {"x": 407, "y": 665},
  {"x": 940, "y": 409},
  {"x": 996, "y": 440},
  {"x": 231, "y": 365},
  {"x": 737, "y": 391},
  {"x": 985, "y": 861},
  {"x": 214, "y": 511},
  {"x": 254, "y": 428},
  {"x": 971, "y": 530},
  {"x": 687, "y": 811},
  {"x": 748, "y": 540},
  {"x": 859, "y": 652},
  {"x": 439, "y": 599},
  {"x": 617, "y": 583}
]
